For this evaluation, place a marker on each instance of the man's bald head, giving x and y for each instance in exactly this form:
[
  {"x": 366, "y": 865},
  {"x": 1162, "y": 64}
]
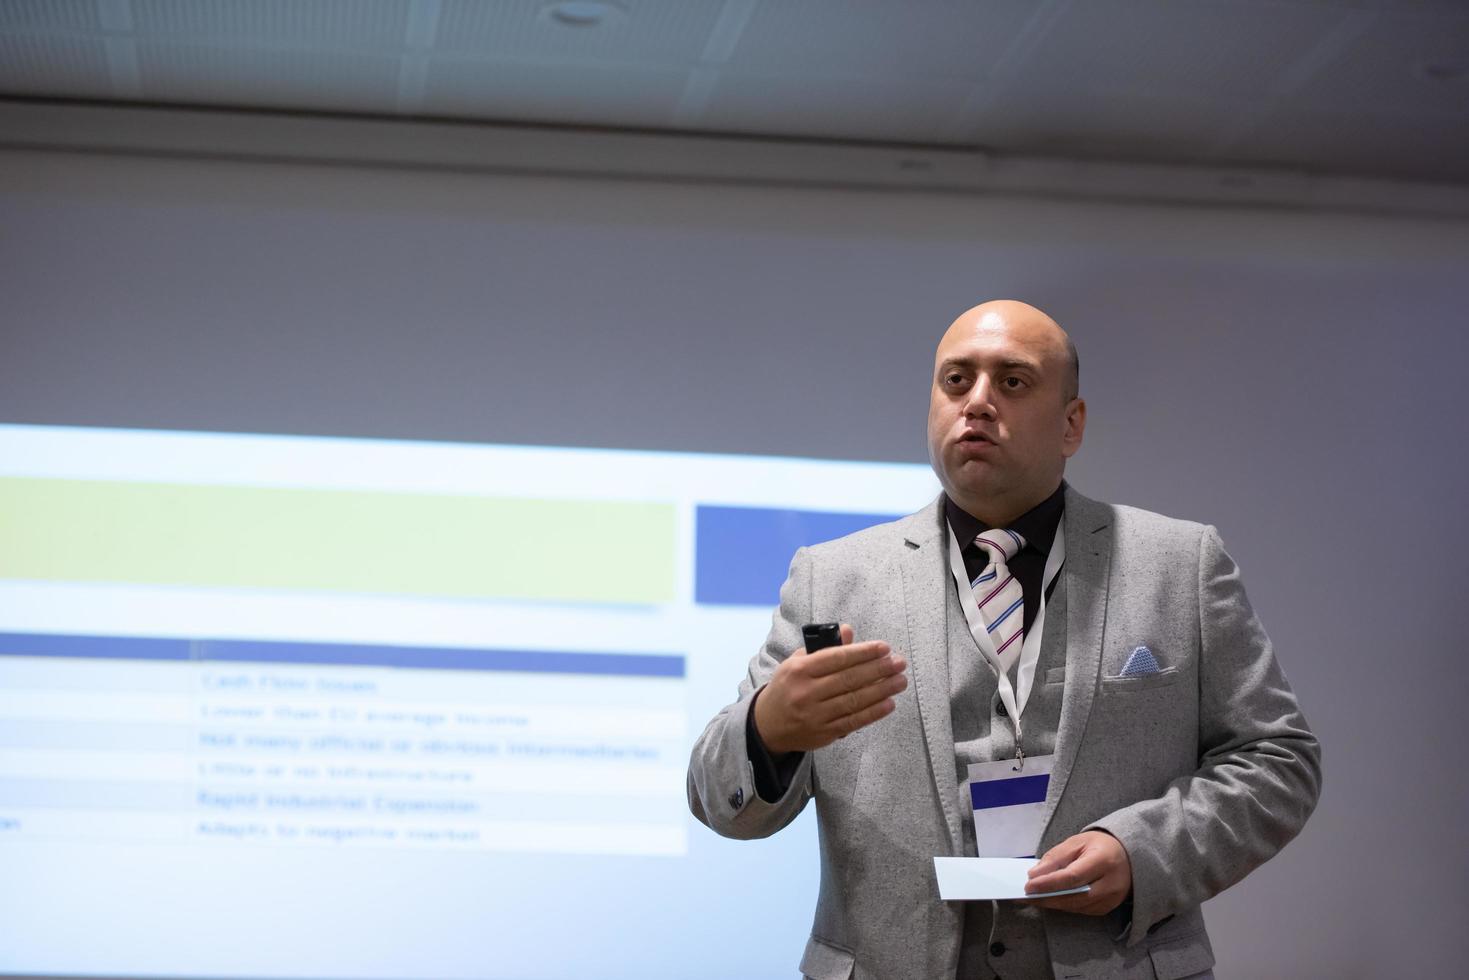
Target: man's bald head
[
  {"x": 1003, "y": 415},
  {"x": 1033, "y": 322}
]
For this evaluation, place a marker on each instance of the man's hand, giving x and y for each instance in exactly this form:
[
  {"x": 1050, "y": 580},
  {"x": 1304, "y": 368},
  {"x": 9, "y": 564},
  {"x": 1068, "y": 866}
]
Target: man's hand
[
  {"x": 1091, "y": 858},
  {"x": 813, "y": 699}
]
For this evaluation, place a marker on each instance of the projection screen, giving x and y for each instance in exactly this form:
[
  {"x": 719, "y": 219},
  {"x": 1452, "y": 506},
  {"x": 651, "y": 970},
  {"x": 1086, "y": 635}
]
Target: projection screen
[{"x": 360, "y": 708}]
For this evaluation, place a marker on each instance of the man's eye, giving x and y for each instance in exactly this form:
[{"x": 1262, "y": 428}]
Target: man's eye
[
  {"x": 1013, "y": 383},
  {"x": 953, "y": 379}
]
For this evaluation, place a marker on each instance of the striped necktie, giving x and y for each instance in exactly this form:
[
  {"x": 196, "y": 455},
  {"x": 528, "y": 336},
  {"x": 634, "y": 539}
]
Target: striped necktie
[{"x": 998, "y": 594}]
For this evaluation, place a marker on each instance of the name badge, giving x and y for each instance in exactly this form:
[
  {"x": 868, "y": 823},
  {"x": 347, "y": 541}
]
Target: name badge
[{"x": 1009, "y": 806}]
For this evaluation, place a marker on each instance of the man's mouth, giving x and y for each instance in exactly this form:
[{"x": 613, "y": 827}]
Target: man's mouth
[{"x": 976, "y": 437}]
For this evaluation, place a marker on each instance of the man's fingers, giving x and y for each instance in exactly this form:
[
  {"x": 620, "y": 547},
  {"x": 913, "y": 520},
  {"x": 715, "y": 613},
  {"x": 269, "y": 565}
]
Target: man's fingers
[
  {"x": 1105, "y": 895},
  {"x": 855, "y": 702},
  {"x": 1085, "y": 904},
  {"x": 1067, "y": 865},
  {"x": 1083, "y": 871},
  {"x": 1072, "y": 876},
  {"x": 1057, "y": 857},
  {"x": 816, "y": 698},
  {"x": 836, "y": 659},
  {"x": 847, "y": 724},
  {"x": 856, "y": 678},
  {"x": 1092, "y": 858}
]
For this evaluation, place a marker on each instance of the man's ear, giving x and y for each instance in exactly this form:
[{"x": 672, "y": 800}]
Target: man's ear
[{"x": 1075, "y": 427}]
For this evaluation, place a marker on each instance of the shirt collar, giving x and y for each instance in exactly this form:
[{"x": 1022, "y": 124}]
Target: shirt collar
[{"x": 1037, "y": 525}]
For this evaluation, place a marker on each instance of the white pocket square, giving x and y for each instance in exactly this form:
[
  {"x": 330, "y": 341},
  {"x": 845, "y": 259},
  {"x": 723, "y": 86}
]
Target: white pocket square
[{"x": 1140, "y": 663}]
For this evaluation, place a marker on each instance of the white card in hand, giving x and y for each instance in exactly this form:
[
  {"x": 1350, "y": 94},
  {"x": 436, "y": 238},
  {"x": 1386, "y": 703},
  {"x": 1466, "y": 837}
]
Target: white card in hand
[{"x": 1003, "y": 879}]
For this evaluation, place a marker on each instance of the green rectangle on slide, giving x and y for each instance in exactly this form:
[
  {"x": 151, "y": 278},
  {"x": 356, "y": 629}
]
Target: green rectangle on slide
[{"x": 337, "y": 540}]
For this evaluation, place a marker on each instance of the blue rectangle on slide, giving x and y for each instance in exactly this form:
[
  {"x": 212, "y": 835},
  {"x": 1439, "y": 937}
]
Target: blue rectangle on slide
[
  {"x": 93, "y": 647},
  {"x": 444, "y": 658},
  {"x": 745, "y": 552},
  {"x": 343, "y": 655}
]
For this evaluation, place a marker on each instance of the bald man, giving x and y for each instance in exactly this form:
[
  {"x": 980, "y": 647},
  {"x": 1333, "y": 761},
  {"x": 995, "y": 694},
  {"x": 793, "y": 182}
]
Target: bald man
[{"x": 1015, "y": 637}]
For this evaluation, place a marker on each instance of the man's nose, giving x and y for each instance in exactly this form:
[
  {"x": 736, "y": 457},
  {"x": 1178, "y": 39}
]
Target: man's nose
[{"x": 980, "y": 403}]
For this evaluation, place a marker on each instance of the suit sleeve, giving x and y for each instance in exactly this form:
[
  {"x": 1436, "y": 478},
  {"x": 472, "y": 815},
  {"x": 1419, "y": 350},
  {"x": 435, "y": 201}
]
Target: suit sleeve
[
  {"x": 1259, "y": 772},
  {"x": 721, "y": 781}
]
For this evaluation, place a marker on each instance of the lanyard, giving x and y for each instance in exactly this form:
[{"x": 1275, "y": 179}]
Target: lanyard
[{"x": 1030, "y": 652}]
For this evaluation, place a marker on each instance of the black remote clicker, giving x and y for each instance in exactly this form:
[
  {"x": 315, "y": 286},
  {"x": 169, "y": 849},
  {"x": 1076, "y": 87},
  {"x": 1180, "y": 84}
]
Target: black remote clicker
[{"x": 819, "y": 636}]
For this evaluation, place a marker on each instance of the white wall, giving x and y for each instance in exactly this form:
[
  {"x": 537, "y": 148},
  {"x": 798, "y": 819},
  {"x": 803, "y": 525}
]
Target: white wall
[{"x": 1294, "y": 378}]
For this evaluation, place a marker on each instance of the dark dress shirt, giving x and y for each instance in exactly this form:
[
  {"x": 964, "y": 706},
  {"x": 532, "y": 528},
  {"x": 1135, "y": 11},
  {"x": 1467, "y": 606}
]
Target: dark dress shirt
[{"x": 1037, "y": 526}]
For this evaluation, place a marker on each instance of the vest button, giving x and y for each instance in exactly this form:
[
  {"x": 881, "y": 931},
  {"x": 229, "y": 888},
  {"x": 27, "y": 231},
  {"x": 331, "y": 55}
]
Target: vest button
[
  {"x": 1000, "y": 709},
  {"x": 997, "y": 949}
]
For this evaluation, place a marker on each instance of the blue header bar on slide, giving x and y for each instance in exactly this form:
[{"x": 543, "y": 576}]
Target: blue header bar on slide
[
  {"x": 342, "y": 655},
  {"x": 744, "y": 552}
]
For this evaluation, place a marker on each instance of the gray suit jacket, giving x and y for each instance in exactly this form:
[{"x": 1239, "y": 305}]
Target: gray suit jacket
[{"x": 1203, "y": 771}]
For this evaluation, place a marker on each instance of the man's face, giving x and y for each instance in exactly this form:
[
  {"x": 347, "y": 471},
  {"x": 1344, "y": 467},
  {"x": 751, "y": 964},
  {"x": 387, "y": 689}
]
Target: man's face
[{"x": 1000, "y": 423}]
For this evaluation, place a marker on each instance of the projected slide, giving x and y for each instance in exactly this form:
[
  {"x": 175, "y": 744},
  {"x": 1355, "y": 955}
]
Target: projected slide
[{"x": 234, "y": 657}]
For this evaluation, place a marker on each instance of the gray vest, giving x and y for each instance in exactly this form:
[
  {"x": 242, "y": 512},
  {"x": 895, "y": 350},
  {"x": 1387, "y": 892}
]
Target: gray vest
[{"x": 1001, "y": 939}]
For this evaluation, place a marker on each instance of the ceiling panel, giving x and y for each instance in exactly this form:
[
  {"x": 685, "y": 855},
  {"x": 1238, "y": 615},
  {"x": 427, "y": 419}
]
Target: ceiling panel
[
  {"x": 1221, "y": 82},
  {"x": 1382, "y": 70},
  {"x": 580, "y": 94},
  {"x": 296, "y": 23},
  {"x": 1425, "y": 6},
  {"x": 646, "y": 33},
  {"x": 853, "y": 107},
  {"x": 66, "y": 66},
  {"x": 1224, "y": 48},
  {"x": 197, "y": 73},
  {"x": 65, "y": 15},
  {"x": 1102, "y": 122},
  {"x": 879, "y": 38},
  {"x": 1380, "y": 143}
]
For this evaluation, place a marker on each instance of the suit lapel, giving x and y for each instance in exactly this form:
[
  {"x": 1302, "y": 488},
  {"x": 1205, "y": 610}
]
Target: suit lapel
[
  {"x": 1088, "y": 565},
  {"x": 925, "y": 594}
]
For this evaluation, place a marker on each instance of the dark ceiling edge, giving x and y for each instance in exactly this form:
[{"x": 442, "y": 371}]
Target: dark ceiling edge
[
  {"x": 497, "y": 123},
  {"x": 57, "y": 125},
  {"x": 755, "y": 138}
]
